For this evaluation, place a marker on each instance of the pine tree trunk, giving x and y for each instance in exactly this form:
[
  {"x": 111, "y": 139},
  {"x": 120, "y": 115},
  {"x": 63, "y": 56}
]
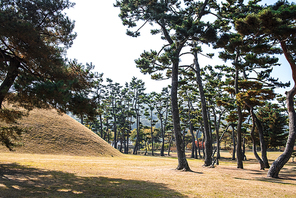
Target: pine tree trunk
[
  {"x": 138, "y": 135},
  {"x": 239, "y": 153},
  {"x": 262, "y": 142},
  {"x": 217, "y": 128},
  {"x": 128, "y": 135},
  {"x": 182, "y": 161},
  {"x": 244, "y": 149},
  {"x": 152, "y": 134},
  {"x": 121, "y": 142},
  {"x": 279, "y": 163},
  {"x": 101, "y": 126},
  {"x": 124, "y": 142},
  {"x": 170, "y": 143},
  {"x": 239, "y": 121},
  {"x": 162, "y": 137},
  {"x": 114, "y": 125},
  {"x": 234, "y": 144},
  {"x": 11, "y": 75},
  {"x": 203, "y": 147},
  {"x": 198, "y": 147},
  {"x": 253, "y": 141},
  {"x": 193, "y": 148},
  {"x": 208, "y": 139}
]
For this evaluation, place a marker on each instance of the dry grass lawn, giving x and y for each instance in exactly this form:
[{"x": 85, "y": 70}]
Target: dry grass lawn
[
  {"x": 52, "y": 162},
  {"x": 48, "y": 132},
  {"x": 35, "y": 175}
]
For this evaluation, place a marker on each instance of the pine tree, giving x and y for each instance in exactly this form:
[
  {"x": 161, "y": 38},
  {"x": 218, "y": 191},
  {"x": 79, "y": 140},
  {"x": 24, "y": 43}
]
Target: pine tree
[
  {"x": 274, "y": 124},
  {"x": 114, "y": 95},
  {"x": 214, "y": 93},
  {"x": 149, "y": 112},
  {"x": 251, "y": 62},
  {"x": 275, "y": 23},
  {"x": 34, "y": 36},
  {"x": 137, "y": 87},
  {"x": 162, "y": 110}
]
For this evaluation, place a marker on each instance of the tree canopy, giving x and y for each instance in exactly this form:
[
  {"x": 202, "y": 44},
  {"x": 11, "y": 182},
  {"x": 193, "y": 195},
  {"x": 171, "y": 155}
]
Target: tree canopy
[{"x": 34, "y": 37}]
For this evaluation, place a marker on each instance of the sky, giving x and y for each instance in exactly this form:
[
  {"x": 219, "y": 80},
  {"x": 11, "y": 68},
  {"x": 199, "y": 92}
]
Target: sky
[{"x": 102, "y": 41}]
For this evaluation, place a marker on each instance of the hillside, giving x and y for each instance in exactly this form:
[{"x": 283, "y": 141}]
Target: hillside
[{"x": 49, "y": 132}]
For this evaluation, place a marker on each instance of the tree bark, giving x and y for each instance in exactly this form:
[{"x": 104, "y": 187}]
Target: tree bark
[
  {"x": 193, "y": 148},
  {"x": 101, "y": 126},
  {"x": 279, "y": 163},
  {"x": 217, "y": 128},
  {"x": 115, "y": 126},
  {"x": 244, "y": 149},
  {"x": 11, "y": 75},
  {"x": 151, "y": 121},
  {"x": 162, "y": 137},
  {"x": 208, "y": 139},
  {"x": 239, "y": 121},
  {"x": 182, "y": 161},
  {"x": 198, "y": 147},
  {"x": 138, "y": 135},
  {"x": 234, "y": 144},
  {"x": 262, "y": 142},
  {"x": 239, "y": 153},
  {"x": 170, "y": 142},
  {"x": 262, "y": 166}
]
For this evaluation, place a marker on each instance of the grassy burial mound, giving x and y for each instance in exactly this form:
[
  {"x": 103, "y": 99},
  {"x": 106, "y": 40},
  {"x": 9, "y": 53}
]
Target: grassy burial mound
[{"x": 49, "y": 132}]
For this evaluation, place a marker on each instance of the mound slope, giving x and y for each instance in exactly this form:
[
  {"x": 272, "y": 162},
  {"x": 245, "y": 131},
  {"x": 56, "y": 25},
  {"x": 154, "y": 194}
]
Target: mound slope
[{"x": 49, "y": 132}]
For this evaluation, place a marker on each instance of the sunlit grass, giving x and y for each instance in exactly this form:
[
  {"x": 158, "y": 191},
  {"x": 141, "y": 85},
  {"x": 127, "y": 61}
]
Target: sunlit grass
[{"x": 139, "y": 176}]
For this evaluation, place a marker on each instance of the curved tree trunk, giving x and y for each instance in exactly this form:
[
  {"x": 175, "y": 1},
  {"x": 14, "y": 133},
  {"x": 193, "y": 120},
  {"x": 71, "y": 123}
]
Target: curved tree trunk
[
  {"x": 262, "y": 166},
  {"x": 11, "y": 75},
  {"x": 279, "y": 163},
  {"x": 182, "y": 161},
  {"x": 262, "y": 142},
  {"x": 208, "y": 139}
]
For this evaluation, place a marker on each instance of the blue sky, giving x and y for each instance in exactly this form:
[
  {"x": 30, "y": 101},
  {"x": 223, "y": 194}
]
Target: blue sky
[{"x": 102, "y": 40}]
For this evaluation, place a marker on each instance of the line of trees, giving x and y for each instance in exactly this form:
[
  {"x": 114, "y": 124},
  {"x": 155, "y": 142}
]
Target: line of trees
[
  {"x": 247, "y": 35},
  {"x": 34, "y": 36},
  {"x": 122, "y": 111},
  {"x": 126, "y": 114}
]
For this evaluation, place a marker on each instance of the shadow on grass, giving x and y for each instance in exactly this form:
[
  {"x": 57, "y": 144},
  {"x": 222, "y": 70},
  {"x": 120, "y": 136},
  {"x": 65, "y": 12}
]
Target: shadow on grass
[
  {"x": 21, "y": 181},
  {"x": 270, "y": 180},
  {"x": 286, "y": 176}
]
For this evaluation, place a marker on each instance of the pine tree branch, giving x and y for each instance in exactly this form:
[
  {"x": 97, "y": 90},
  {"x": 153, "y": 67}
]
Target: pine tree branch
[
  {"x": 202, "y": 11},
  {"x": 141, "y": 26},
  {"x": 289, "y": 59},
  {"x": 162, "y": 49},
  {"x": 166, "y": 34}
]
